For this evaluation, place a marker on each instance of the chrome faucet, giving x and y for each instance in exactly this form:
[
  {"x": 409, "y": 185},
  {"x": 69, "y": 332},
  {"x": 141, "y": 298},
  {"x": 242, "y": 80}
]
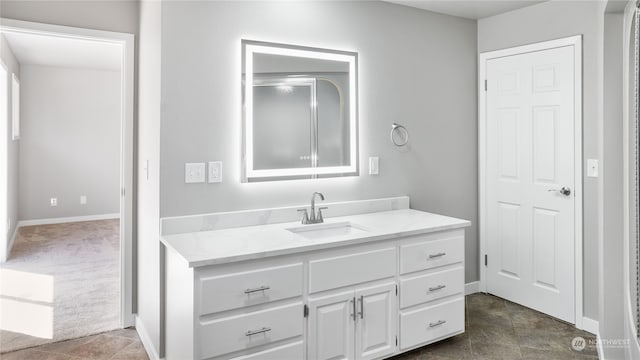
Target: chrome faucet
[{"x": 315, "y": 217}]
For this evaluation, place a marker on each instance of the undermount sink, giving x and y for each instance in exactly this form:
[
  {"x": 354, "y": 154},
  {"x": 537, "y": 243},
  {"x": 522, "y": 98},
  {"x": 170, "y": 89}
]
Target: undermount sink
[{"x": 327, "y": 230}]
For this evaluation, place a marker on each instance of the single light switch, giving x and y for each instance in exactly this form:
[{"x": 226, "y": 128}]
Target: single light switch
[
  {"x": 83, "y": 200},
  {"x": 193, "y": 173},
  {"x": 592, "y": 167},
  {"x": 374, "y": 163},
  {"x": 215, "y": 171},
  {"x": 54, "y": 201}
]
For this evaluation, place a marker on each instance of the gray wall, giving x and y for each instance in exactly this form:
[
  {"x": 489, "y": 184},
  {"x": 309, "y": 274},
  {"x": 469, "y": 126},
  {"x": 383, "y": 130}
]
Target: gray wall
[
  {"x": 415, "y": 67},
  {"x": 121, "y": 15},
  {"x": 547, "y": 21},
  {"x": 611, "y": 282},
  {"x": 13, "y": 148},
  {"x": 70, "y": 141},
  {"x": 148, "y": 189},
  {"x": 631, "y": 137}
]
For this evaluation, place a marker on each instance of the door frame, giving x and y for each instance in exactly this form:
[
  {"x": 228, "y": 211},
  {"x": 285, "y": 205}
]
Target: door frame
[
  {"x": 576, "y": 42},
  {"x": 126, "y": 42}
]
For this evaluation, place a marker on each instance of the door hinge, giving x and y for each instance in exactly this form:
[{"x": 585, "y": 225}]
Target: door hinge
[
  {"x": 396, "y": 340},
  {"x": 485, "y": 260},
  {"x": 485, "y": 85},
  {"x": 396, "y": 289},
  {"x": 305, "y": 311},
  {"x": 122, "y": 192}
]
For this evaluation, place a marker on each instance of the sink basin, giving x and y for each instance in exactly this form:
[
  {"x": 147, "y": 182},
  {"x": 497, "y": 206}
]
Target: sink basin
[{"x": 319, "y": 231}]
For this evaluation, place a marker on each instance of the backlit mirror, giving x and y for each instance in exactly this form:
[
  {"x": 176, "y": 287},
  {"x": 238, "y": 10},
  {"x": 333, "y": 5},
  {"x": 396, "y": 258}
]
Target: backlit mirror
[{"x": 299, "y": 112}]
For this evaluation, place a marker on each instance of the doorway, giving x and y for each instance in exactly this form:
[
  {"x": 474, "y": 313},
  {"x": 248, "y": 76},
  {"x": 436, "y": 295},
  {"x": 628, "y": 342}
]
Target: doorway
[
  {"x": 58, "y": 37},
  {"x": 530, "y": 157}
]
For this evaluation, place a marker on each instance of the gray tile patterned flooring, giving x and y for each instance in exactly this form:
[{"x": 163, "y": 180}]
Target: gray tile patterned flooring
[
  {"x": 121, "y": 344},
  {"x": 496, "y": 329}
]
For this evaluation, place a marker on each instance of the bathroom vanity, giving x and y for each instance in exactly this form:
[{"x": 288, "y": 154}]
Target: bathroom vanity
[{"x": 365, "y": 286}]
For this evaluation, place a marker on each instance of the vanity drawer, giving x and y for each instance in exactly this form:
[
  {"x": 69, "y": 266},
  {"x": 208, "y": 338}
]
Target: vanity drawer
[
  {"x": 432, "y": 253},
  {"x": 288, "y": 352},
  {"x": 431, "y": 323},
  {"x": 425, "y": 288},
  {"x": 223, "y": 336},
  {"x": 236, "y": 290},
  {"x": 334, "y": 272}
]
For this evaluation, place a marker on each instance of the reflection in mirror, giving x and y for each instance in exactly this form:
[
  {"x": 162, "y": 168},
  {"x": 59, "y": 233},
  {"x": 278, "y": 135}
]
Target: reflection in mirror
[{"x": 299, "y": 112}]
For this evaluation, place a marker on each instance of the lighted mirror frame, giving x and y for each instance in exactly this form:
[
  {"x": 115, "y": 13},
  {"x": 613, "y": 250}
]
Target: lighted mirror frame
[{"x": 250, "y": 48}]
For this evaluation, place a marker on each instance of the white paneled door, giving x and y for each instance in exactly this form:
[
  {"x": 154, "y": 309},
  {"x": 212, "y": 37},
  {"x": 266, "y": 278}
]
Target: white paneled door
[{"x": 530, "y": 180}]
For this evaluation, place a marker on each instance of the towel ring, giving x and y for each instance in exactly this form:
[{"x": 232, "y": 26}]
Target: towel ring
[{"x": 399, "y": 135}]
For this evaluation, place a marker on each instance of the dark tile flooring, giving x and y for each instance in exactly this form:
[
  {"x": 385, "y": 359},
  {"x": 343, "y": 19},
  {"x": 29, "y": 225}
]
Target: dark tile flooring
[
  {"x": 496, "y": 329},
  {"x": 114, "y": 345}
]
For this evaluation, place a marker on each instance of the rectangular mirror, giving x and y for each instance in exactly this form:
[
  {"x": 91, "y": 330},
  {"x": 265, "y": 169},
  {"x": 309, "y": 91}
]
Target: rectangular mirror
[{"x": 299, "y": 112}]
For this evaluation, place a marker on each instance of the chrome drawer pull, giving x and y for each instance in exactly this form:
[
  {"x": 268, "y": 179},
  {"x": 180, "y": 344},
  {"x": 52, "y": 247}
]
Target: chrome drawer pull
[
  {"x": 437, "y": 287},
  {"x": 256, "y": 332},
  {"x": 261, "y": 288},
  {"x": 438, "y": 323},
  {"x": 433, "y": 256},
  {"x": 353, "y": 302}
]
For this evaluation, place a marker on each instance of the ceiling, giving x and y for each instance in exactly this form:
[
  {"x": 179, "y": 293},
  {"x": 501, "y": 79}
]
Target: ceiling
[
  {"x": 65, "y": 52},
  {"x": 470, "y": 9}
]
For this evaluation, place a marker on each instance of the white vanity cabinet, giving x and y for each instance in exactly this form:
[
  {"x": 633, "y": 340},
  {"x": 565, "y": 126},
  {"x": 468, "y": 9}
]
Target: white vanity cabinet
[
  {"x": 353, "y": 304},
  {"x": 357, "y": 301},
  {"x": 431, "y": 288}
]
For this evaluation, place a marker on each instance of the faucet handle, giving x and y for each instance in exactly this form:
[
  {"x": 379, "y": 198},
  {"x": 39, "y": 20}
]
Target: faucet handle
[
  {"x": 319, "y": 217},
  {"x": 305, "y": 216}
]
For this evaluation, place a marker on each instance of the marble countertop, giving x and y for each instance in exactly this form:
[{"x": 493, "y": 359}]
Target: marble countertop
[{"x": 255, "y": 242}]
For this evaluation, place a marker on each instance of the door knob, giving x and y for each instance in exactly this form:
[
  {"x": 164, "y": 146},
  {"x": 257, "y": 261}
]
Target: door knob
[{"x": 564, "y": 191}]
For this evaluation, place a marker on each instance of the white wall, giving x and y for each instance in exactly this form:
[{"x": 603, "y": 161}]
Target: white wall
[
  {"x": 148, "y": 185},
  {"x": 13, "y": 151},
  {"x": 553, "y": 20},
  {"x": 70, "y": 142}
]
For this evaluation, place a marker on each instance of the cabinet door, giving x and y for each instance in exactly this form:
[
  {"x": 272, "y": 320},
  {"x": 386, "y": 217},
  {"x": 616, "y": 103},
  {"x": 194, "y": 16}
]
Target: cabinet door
[
  {"x": 376, "y": 321},
  {"x": 331, "y": 327}
]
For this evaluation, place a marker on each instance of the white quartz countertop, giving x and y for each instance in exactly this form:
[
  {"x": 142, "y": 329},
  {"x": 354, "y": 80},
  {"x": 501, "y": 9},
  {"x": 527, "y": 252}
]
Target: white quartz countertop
[{"x": 261, "y": 241}]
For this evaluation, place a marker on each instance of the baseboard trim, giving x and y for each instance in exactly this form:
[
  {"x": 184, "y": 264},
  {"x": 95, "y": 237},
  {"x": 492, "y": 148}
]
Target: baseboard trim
[
  {"x": 67, "y": 219},
  {"x": 599, "y": 348},
  {"x": 472, "y": 287},
  {"x": 590, "y": 325},
  {"x": 4, "y": 253},
  {"x": 146, "y": 339},
  {"x": 12, "y": 240}
]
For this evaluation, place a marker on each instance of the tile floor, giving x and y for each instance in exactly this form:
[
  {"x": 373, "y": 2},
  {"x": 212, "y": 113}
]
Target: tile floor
[
  {"x": 113, "y": 345},
  {"x": 495, "y": 329}
]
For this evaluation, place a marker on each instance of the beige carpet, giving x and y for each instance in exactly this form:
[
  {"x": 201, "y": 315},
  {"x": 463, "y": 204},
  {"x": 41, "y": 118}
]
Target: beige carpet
[{"x": 61, "y": 282}]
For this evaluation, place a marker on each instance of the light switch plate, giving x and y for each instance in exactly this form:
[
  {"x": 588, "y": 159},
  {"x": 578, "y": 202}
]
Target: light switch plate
[
  {"x": 592, "y": 167},
  {"x": 193, "y": 173},
  {"x": 54, "y": 201},
  {"x": 83, "y": 199},
  {"x": 374, "y": 165},
  {"x": 215, "y": 171}
]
